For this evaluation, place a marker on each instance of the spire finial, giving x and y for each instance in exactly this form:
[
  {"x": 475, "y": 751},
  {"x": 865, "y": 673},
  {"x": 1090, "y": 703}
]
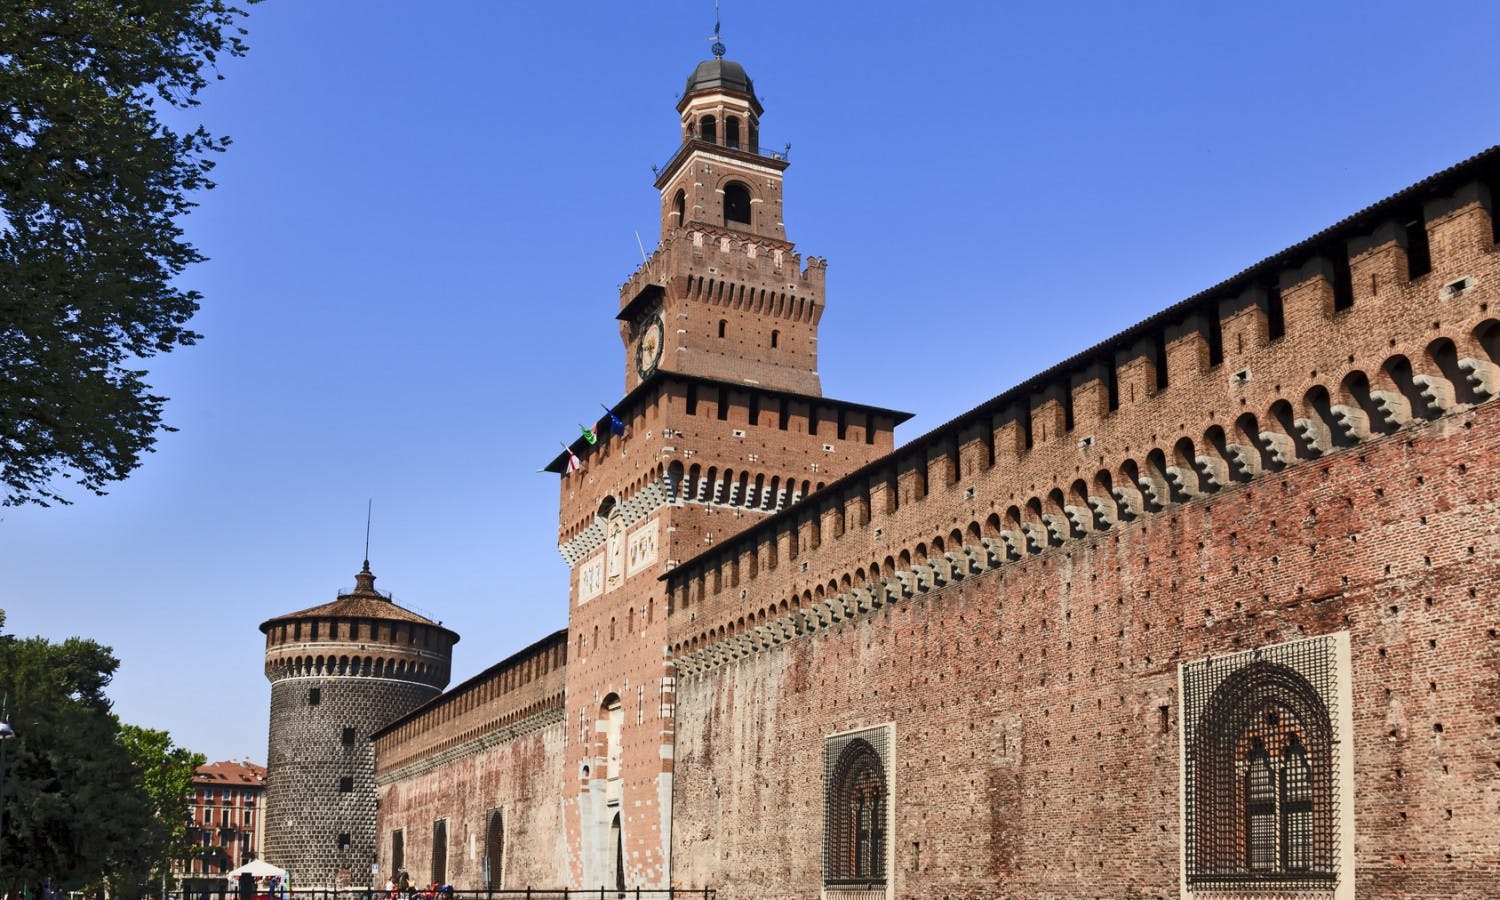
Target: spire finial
[
  {"x": 369, "y": 509},
  {"x": 718, "y": 46}
]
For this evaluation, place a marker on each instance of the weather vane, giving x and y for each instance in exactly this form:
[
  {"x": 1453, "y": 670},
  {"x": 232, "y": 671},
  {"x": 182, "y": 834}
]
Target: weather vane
[{"x": 718, "y": 46}]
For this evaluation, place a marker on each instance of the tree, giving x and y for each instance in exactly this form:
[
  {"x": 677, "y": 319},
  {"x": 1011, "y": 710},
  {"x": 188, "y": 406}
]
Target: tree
[
  {"x": 87, "y": 803},
  {"x": 166, "y": 773},
  {"x": 92, "y": 183}
]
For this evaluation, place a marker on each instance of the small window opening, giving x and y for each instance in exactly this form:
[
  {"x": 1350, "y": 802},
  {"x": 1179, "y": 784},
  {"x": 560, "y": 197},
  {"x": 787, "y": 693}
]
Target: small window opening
[
  {"x": 1160, "y": 343},
  {"x": 346, "y": 784},
  {"x": 1343, "y": 281},
  {"x": 736, "y": 203},
  {"x": 692, "y": 400},
  {"x": 754, "y": 409},
  {"x": 1418, "y": 251},
  {"x": 1275, "y": 314},
  {"x": 723, "y": 403},
  {"x": 784, "y": 419},
  {"x": 723, "y": 327},
  {"x": 869, "y": 428},
  {"x": 775, "y": 339},
  {"x": 314, "y": 696},
  {"x": 1215, "y": 338},
  {"x": 344, "y": 842},
  {"x": 843, "y": 425},
  {"x": 348, "y": 736}
]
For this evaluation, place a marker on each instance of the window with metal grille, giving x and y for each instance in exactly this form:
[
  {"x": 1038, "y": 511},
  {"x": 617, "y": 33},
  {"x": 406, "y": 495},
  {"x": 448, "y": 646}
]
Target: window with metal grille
[
  {"x": 856, "y": 808},
  {"x": 1261, "y": 767}
]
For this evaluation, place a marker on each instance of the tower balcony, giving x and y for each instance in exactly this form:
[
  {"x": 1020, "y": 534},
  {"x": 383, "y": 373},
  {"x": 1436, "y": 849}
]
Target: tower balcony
[{"x": 749, "y": 151}]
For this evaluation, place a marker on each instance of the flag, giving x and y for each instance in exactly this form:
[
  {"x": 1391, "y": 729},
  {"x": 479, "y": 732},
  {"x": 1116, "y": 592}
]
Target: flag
[
  {"x": 573, "y": 464},
  {"x": 588, "y": 434},
  {"x": 615, "y": 425}
]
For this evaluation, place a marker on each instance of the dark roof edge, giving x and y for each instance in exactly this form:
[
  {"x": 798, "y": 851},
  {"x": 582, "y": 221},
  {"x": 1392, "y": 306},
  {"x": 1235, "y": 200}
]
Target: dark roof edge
[
  {"x": 1452, "y": 177},
  {"x": 579, "y": 446},
  {"x": 557, "y": 637}
]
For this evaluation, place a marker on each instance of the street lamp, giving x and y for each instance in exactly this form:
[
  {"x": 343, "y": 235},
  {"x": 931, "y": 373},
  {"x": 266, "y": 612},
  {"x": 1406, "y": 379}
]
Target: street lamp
[{"x": 7, "y": 733}]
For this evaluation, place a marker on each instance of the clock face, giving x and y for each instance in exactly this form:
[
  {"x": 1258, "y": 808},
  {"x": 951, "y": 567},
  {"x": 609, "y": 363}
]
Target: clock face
[{"x": 648, "y": 347}]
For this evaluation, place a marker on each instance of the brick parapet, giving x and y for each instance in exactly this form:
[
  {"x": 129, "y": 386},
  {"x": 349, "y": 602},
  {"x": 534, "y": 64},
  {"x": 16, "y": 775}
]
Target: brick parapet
[
  {"x": 1226, "y": 388},
  {"x": 511, "y": 697}
]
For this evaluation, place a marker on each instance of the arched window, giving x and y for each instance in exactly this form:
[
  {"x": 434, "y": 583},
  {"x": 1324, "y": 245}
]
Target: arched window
[
  {"x": 679, "y": 208},
  {"x": 736, "y": 203},
  {"x": 855, "y": 813},
  {"x": 1261, "y": 779},
  {"x": 707, "y": 130},
  {"x": 732, "y": 132}
]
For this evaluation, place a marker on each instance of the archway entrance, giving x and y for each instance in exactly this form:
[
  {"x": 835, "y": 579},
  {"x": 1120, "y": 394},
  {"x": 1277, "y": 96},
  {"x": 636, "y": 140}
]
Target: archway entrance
[
  {"x": 617, "y": 840},
  {"x": 494, "y": 852}
]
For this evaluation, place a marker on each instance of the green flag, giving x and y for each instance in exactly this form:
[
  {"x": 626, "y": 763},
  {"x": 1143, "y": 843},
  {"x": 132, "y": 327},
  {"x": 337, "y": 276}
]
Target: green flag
[{"x": 588, "y": 435}]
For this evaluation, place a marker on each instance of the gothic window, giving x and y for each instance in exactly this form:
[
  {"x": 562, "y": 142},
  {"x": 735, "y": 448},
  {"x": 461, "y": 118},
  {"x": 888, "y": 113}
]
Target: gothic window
[
  {"x": 736, "y": 203},
  {"x": 855, "y": 809},
  {"x": 1263, "y": 806}
]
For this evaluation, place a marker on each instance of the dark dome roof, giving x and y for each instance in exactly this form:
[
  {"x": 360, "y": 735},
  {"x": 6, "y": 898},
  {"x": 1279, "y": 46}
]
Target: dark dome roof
[{"x": 720, "y": 74}]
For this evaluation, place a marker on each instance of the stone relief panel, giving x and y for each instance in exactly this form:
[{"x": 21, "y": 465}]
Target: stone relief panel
[
  {"x": 641, "y": 552},
  {"x": 591, "y": 579}
]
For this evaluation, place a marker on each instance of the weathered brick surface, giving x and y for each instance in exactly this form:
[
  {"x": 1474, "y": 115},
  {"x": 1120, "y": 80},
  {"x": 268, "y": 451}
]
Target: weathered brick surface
[
  {"x": 1031, "y": 760},
  {"x": 493, "y": 744}
]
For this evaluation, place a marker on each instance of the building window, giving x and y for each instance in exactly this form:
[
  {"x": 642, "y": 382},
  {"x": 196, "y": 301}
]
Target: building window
[
  {"x": 249, "y": 817},
  {"x": 736, "y": 203},
  {"x": 856, "y": 808},
  {"x": 346, "y": 784},
  {"x": 440, "y": 852},
  {"x": 1262, "y": 758},
  {"x": 314, "y": 696},
  {"x": 348, "y": 736},
  {"x": 343, "y": 842}
]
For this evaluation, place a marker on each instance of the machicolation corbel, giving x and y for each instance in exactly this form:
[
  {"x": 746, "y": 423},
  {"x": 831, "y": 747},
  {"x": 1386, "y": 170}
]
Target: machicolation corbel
[
  {"x": 1483, "y": 377},
  {"x": 1437, "y": 392}
]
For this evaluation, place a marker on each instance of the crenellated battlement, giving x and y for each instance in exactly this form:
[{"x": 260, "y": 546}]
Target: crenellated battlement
[
  {"x": 726, "y": 256},
  {"x": 1380, "y": 324}
]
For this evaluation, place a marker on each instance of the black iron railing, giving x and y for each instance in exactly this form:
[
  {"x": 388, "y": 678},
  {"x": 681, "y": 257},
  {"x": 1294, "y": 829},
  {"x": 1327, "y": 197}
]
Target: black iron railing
[
  {"x": 782, "y": 153},
  {"x": 529, "y": 893}
]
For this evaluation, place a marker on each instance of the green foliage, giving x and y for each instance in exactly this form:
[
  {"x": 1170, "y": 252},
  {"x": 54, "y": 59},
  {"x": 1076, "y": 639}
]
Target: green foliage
[
  {"x": 87, "y": 802},
  {"x": 166, "y": 773},
  {"x": 91, "y": 185}
]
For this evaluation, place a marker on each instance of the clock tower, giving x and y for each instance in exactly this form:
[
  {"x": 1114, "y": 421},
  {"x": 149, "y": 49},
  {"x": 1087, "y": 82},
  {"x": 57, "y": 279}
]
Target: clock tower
[{"x": 723, "y": 424}]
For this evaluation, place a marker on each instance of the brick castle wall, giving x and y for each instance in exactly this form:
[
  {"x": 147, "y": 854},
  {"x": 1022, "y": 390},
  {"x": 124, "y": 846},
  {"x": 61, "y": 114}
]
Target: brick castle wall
[{"x": 1036, "y": 710}]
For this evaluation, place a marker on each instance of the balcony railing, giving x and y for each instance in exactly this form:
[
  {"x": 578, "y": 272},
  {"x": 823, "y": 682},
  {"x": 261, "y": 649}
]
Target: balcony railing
[{"x": 782, "y": 154}]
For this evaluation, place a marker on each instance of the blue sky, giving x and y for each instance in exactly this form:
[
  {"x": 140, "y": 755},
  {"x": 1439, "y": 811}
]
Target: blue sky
[{"x": 419, "y": 232}]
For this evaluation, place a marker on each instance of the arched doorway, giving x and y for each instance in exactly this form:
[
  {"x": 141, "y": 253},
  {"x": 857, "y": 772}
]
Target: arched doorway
[
  {"x": 494, "y": 852},
  {"x": 617, "y": 841}
]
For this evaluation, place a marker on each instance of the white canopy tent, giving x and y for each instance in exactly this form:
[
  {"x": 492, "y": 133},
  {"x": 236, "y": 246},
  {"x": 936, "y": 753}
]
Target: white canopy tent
[{"x": 257, "y": 867}]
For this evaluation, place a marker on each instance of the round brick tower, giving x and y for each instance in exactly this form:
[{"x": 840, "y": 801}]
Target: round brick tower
[{"x": 339, "y": 672}]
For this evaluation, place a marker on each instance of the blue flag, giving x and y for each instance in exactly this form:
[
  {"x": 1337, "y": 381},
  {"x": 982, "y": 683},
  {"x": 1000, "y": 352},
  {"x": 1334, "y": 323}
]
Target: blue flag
[{"x": 615, "y": 425}]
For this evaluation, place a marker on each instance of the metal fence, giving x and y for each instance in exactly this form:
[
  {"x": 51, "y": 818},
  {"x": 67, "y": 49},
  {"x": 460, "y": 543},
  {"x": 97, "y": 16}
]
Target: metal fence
[{"x": 529, "y": 893}]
